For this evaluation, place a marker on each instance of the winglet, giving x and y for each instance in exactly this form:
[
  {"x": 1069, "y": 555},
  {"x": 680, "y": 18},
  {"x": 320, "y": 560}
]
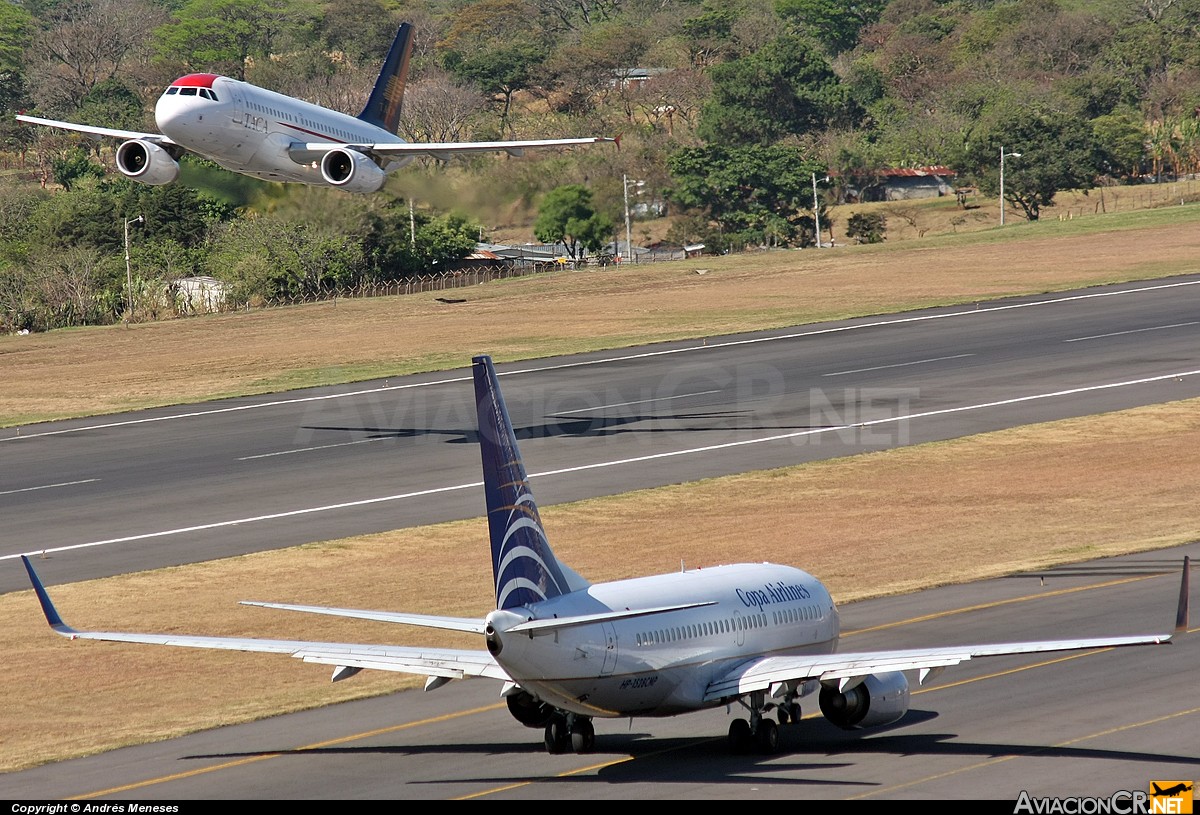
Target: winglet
[
  {"x": 1181, "y": 613},
  {"x": 56, "y": 622}
]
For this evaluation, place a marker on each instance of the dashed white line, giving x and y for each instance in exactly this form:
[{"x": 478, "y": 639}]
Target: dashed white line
[
  {"x": 310, "y": 449},
  {"x": 1133, "y": 331},
  {"x": 50, "y": 486},
  {"x": 898, "y": 365},
  {"x": 627, "y": 404}
]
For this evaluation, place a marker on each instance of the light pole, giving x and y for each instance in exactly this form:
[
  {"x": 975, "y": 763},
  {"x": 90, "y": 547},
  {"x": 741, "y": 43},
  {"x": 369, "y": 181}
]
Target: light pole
[
  {"x": 129, "y": 269},
  {"x": 628, "y": 228},
  {"x": 1003, "y": 156},
  {"x": 816, "y": 210}
]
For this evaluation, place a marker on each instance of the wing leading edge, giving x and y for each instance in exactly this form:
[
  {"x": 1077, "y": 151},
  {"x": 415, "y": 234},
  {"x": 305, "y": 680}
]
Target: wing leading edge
[{"x": 92, "y": 130}]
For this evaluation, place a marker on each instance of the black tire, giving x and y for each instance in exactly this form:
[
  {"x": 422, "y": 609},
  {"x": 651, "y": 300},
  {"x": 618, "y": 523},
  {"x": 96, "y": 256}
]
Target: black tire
[
  {"x": 557, "y": 736},
  {"x": 583, "y": 736},
  {"x": 740, "y": 737},
  {"x": 767, "y": 737}
]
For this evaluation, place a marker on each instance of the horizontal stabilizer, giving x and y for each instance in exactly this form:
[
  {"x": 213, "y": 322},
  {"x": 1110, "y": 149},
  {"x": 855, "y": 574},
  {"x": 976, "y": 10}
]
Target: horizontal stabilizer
[
  {"x": 559, "y": 623},
  {"x": 468, "y": 625}
]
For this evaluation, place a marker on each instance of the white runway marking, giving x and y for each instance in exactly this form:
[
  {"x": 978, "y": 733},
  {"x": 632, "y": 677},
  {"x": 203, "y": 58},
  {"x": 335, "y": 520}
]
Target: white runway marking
[
  {"x": 627, "y": 404},
  {"x": 50, "y": 486},
  {"x": 619, "y": 462},
  {"x": 705, "y": 346},
  {"x": 1132, "y": 331},
  {"x": 898, "y": 365},
  {"x": 310, "y": 449}
]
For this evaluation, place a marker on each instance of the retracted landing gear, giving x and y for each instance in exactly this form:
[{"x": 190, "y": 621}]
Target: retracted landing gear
[
  {"x": 569, "y": 731},
  {"x": 760, "y": 732}
]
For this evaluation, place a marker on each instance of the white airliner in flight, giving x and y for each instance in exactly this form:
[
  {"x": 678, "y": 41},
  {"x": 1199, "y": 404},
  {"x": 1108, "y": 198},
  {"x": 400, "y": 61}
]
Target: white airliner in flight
[
  {"x": 759, "y": 635},
  {"x": 260, "y": 133}
]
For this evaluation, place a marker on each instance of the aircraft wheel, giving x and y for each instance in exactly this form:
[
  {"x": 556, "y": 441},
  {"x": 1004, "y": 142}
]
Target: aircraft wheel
[
  {"x": 740, "y": 737},
  {"x": 583, "y": 736},
  {"x": 782, "y": 713},
  {"x": 767, "y": 737},
  {"x": 558, "y": 738}
]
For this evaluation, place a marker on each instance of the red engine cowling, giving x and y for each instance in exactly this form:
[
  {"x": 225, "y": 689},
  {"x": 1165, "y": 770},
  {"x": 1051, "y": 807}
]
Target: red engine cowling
[
  {"x": 147, "y": 163},
  {"x": 878, "y": 700},
  {"x": 352, "y": 171}
]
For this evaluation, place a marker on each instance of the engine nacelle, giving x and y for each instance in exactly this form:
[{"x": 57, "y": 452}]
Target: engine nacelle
[
  {"x": 529, "y": 711},
  {"x": 147, "y": 163},
  {"x": 878, "y": 700},
  {"x": 352, "y": 171}
]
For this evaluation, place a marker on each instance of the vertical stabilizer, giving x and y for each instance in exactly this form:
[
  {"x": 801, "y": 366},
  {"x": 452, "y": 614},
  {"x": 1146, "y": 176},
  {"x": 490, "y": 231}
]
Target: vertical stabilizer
[
  {"x": 383, "y": 106},
  {"x": 525, "y": 568}
]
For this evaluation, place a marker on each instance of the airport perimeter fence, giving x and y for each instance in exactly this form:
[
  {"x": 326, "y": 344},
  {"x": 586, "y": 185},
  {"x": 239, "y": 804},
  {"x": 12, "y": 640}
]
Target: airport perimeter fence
[{"x": 451, "y": 279}]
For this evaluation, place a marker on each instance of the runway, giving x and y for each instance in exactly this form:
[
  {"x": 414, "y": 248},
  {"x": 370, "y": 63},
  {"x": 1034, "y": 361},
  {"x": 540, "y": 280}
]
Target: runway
[
  {"x": 139, "y": 491},
  {"x": 1052, "y": 725}
]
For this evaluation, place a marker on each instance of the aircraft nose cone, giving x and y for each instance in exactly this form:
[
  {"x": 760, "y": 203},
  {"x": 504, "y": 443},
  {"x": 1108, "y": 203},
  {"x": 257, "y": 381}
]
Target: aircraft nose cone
[{"x": 172, "y": 116}]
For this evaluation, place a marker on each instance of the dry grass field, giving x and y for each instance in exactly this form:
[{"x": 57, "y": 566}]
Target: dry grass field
[{"x": 949, "y": 512}]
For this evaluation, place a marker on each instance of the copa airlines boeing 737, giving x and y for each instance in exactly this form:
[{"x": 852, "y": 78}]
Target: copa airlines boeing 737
[
  {"x": 260, "y": 133},
  {"x": 757, "y": 634}
]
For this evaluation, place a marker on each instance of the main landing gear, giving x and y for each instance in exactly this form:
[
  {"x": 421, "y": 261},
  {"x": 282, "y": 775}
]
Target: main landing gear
[
  {"x": 570, "y": 732},
  {"x": 760, "y": 732}
]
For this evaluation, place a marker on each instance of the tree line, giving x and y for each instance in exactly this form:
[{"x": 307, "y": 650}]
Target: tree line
[{"x": 728, "y": 110}]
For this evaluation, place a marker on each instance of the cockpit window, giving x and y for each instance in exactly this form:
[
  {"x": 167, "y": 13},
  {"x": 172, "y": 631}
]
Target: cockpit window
[
  {"x": 172, "y": 91},
  {"x": 187, "y": 91},
  {"x": 207, "y": 94}
]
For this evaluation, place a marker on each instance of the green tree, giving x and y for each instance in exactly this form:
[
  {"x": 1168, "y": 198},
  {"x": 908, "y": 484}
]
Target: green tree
[
  {"x": 834, "y": 23},
  {"x": 1057, "y": 153},
  {"x": 566, "y": 215},
  {"x": 754, "y": 192},
  {"x": 1120, "y": 142},
  {"x": 492, "y": 45},
  {"x": 74, "y": 165},
  {"x": 224, "y": 34},
  {"x": 112, "y": 103},
  {"x": 398, "y": 246},
  {"x": 785, "y": 88}
]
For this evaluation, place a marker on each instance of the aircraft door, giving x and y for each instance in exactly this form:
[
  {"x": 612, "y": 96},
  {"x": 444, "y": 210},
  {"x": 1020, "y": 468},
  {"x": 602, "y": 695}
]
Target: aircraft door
[
  {"x": 610, "y": 649},
  {"x": 739, "y": 630}
]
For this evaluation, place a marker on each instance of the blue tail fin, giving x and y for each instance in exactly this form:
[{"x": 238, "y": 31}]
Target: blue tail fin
[
  {"x": 524, "y": 566},
  {"x": 383, "y": 106}
]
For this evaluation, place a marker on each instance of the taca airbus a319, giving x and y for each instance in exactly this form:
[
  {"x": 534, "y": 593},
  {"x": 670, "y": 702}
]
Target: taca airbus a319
[
  {"x": 260, "y": 133},
  {"x": 565, "y": 651}
]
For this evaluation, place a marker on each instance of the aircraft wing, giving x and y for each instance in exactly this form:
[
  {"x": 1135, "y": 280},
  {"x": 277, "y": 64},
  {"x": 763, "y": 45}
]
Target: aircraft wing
[
  {"x": 847, "y": 668},
  {"x": 312, "y": 151},
  {"x": 448, "y": 663},
  {"x": 469, "y": 625},
  {"x": 157, "y": 138}
]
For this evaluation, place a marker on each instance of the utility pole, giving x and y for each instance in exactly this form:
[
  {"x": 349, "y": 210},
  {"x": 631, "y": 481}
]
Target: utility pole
[
  {"x": 816, "y": 210},
  {"x": 1003, "y": 156},
  {"x": 129, "y": 268}
]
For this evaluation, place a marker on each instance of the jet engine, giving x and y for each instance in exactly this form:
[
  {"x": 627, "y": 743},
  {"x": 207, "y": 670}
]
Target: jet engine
[
  {"x": 529, "y": 711},
  {"x": 878, "y": 700},
  {"x": 352, "y": 171},
  {"x": 147, "y": 163}
]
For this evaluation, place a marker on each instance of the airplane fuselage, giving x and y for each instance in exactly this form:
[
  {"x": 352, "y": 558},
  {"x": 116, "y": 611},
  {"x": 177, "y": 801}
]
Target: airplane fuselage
[
  {"x": 251, "y": 130},
  {"x": 662, "y": 664}
]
